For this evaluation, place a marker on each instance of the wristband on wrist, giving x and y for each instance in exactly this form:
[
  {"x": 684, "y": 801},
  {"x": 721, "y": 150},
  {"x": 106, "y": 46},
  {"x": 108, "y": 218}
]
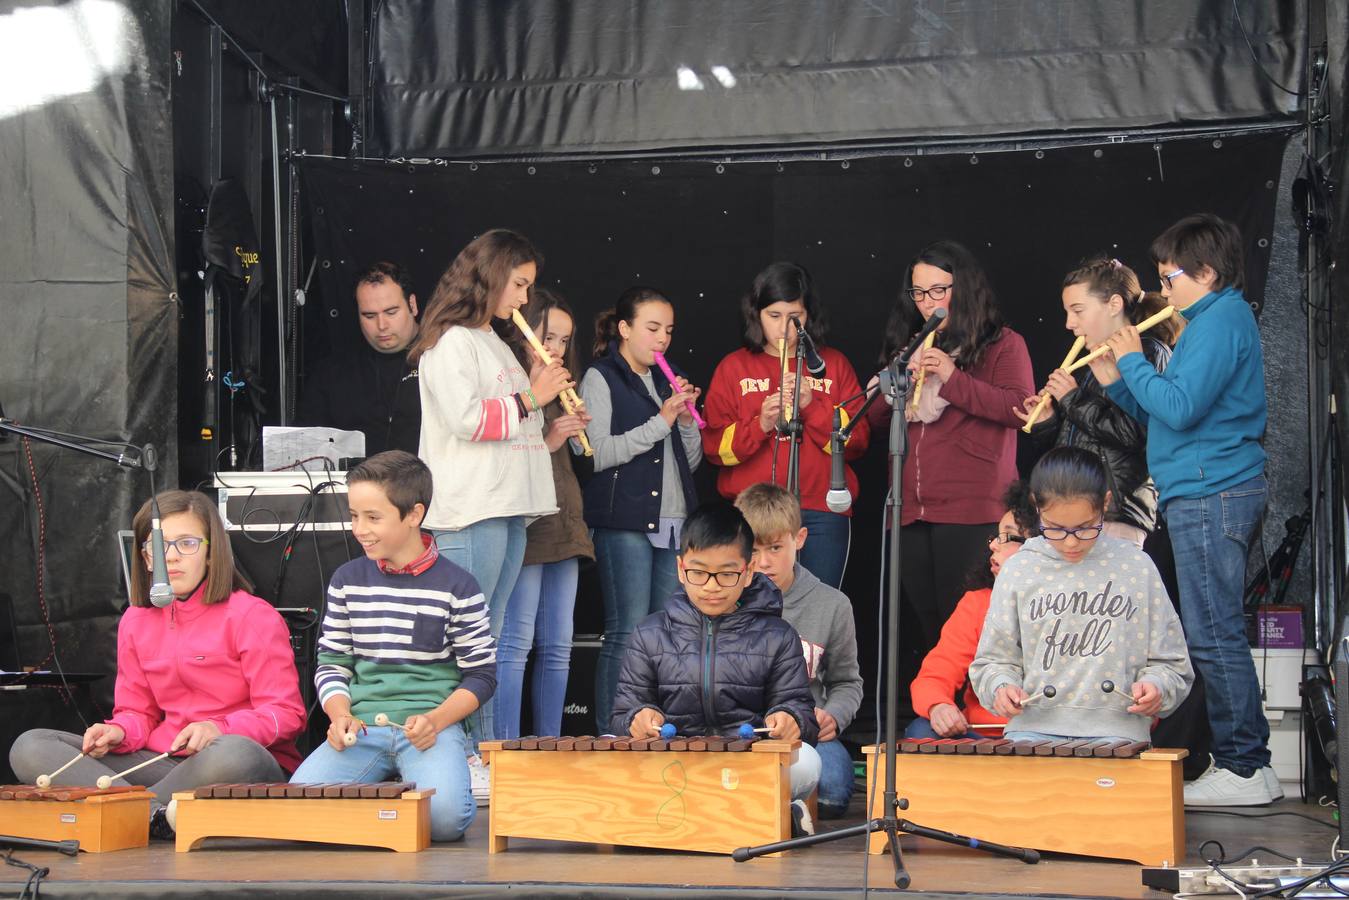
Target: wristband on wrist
[{"x": 532, "y": 398}]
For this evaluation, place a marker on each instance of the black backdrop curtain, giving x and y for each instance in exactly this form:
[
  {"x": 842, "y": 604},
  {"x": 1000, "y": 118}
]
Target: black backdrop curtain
[
  {"x": 89, "y": 342},
  {"x": 524, "y": 76},
  {"x": 700, "y": 235}
]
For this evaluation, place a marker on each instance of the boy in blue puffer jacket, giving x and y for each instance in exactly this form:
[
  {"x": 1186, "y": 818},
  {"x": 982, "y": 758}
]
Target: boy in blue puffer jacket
[{"x": 720, "y": 655}]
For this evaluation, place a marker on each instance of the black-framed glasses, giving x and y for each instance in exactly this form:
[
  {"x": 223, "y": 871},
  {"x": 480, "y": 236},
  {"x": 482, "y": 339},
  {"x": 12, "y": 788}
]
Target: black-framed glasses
[
  {"x": 1166, "y": 279},
  {"x": 1002, "y": 537},
  {"x": 1086, "y": 533},
  {"x": 936, "y": 292},
  {"x": 187, "y": 546},
  {"x": 699, "y": 577}
]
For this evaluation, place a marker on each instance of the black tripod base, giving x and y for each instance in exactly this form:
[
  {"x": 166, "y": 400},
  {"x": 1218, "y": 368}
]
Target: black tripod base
[{"x": 891, "y": 827}]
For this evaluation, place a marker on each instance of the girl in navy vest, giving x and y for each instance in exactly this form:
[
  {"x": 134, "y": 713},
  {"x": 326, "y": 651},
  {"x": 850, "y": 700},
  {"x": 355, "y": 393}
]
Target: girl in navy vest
[{"x": 646, "y": 448}]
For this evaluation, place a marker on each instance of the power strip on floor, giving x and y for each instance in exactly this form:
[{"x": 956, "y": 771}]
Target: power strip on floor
[{"x": 1206, "y": 881}]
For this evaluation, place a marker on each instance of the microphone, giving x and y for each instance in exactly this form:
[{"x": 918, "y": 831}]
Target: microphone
[
  {"x": 932, "y": 324},
  {"x": 814, "y": 364},
  {"x": 838, "y": 499},
  {"x": 161, "y": 595}
]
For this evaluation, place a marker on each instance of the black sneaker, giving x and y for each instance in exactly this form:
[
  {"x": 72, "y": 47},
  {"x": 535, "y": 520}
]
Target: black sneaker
[
  {"x": 802, "y": 824},
  {"x": 160, "y": 829}
]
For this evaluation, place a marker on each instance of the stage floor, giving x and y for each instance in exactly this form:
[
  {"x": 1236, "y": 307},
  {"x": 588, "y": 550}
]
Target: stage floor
[{"x": 537, "y": 868}]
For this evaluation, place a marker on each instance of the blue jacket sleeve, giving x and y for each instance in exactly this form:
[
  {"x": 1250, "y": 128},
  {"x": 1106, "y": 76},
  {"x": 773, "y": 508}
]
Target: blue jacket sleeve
[{"x": 1186, "y": 392}]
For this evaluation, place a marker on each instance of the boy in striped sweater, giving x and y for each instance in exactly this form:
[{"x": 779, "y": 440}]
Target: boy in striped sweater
[{"x": 405, "y": 634}]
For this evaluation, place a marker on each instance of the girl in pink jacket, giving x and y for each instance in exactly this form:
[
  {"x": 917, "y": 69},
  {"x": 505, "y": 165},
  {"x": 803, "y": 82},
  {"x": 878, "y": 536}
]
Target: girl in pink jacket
[{"x": 209, "y": 678}]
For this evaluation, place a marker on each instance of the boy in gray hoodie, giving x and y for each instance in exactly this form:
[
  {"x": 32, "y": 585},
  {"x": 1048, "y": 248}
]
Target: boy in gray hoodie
[
  {"x": 823, "y": 617},
  {"x": 1081, "y": 639}
]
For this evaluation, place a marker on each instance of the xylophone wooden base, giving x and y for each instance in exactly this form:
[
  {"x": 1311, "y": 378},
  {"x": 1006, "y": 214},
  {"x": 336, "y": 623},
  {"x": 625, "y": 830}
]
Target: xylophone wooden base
[
  {"x": 1113, "y": 808},
  {"x": 708, "y": 801},
  {"x": 102, "y": 821},
  {"x": 401, "y": 823}
]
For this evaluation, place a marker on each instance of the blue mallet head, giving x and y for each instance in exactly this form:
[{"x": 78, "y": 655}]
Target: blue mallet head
[
  {"x": 667, "y": 732},
  {"x": 746, "y": 732}
]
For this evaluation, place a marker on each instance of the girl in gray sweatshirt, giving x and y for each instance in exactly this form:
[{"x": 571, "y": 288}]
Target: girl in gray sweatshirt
[{"x": 1081, "y": 639}]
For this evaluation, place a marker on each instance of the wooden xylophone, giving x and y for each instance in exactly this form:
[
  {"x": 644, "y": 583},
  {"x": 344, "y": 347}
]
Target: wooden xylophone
[
  {"x": 1120, "y": 799},
  {"x": 385, "y": 814},
  {"x": 709, "y": 794},
  {"x": 116, "y": 818}
]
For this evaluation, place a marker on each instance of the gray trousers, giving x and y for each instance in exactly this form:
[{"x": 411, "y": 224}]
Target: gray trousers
[{"x": 229, "y": 759}]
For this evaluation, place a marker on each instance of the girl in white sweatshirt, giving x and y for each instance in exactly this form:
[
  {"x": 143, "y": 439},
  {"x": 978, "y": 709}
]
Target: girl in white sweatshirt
[
  {"x": 482, "y": 425},
  {"x": 1081, "y": 639}
]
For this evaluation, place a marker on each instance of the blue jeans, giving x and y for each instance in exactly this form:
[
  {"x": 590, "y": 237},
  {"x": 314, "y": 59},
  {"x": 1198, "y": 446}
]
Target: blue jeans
[
  {"x": 1210, "y": 537},
  {"x": 825, "y": 554},
  {"x": 635, "y": 580},
  {"x": 491, "y": 551},
  {"x": 384, "y": 754},
  {"x": 922, "y": 728},
  {"x": 836, "y": 778},
  {"x": 539, "y": 615}
]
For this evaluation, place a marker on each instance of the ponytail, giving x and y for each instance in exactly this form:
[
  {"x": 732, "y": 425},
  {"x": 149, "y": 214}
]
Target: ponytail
[
  {"x": 625, "y": 310},
  {"x": 1150, "y": 303}
]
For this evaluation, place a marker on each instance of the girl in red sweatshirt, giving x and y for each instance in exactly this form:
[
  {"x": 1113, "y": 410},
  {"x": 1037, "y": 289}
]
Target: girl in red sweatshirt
[
  {"x": 744, "y": 409},
  {"x": 962, "y": 431},
  {"x": 210, "y": 677}
]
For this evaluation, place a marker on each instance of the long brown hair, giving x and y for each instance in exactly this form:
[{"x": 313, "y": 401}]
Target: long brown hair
[
  {"x": 465, "y": 293},
  {"x": 973, "y": 318},
  {"x": 536, "y": 314},
  {"x": 221, "y": 576},
  {"x": 1104, "y": 277}
]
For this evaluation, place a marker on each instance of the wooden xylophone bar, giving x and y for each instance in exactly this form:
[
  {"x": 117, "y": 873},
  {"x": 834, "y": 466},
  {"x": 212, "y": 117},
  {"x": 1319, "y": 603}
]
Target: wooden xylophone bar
[
  {"x": 1119, "y": 799},
  {"x": 115, "y": 818},
  {"x": 706, "y": 793},
  {"x": 705, "y": 744},
  {"x": 62, "y": 794},
  {"x": 392, "y": 814},
  {"x": 384, "y": 790},
  {"x": 1081, "y": 748}
]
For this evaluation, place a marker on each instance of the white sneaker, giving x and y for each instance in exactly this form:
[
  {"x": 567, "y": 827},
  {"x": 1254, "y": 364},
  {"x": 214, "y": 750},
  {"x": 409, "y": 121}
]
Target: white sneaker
[
  {"x": 802, "y": 824},
  {"x": 1272, "y": 782},
  {"x": 1223, "y": 787},
  {"x": 479, "y": 780}
]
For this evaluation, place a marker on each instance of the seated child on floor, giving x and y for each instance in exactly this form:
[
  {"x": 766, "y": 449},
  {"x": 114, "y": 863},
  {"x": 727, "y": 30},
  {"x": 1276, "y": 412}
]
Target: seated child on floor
[
  {"x": 1083, "y": 613},
  {"x": 726, "y": 621},
  {"x": 406, "y": 634},
  {"x": 945, "y": 672}
]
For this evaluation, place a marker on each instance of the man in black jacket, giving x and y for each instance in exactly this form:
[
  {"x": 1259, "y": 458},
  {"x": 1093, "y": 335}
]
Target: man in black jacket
[
  {"x": 720, "y": 655},
  {"x": 372, "y": 390}
]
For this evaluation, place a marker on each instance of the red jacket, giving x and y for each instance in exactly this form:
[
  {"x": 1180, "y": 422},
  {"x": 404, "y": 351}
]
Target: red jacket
[
  {"x": 229, "y": 662},
  {"x": 960, "y": 465},
  {"x": 946, "y": 666},
  {"x": 734, "y": 440}
]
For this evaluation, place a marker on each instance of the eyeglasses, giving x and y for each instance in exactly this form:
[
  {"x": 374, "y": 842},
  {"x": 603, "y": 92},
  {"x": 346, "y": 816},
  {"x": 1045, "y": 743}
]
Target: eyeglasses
[
  {"x": 1088, "y": 533},
  {"x": 1002, "y": 537},
  {"x": 187, "y": 546},
  {"x": 698, "y": 577},
  {"x": 936, "y": 292},
  {"x": 1166, "y": 279}
]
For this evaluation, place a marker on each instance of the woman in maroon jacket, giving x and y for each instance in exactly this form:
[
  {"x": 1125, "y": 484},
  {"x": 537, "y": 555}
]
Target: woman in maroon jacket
[{"x": 962, "y": 429}]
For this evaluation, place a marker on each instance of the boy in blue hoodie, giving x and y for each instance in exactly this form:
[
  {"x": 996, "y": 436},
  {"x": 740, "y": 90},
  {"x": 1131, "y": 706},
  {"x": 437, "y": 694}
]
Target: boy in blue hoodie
[{"x": 1205, "y": 417}]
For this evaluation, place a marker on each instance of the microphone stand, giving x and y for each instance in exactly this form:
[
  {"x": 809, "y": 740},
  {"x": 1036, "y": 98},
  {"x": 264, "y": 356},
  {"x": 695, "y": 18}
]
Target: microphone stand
[
  {"x": 795, "y": 428},
  {"x": 895, "y": 383}
]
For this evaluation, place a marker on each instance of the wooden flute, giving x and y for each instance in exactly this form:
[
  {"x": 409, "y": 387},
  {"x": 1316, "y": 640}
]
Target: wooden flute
[
  {"x": 1143, "y": 326},
  {"x": 922, "y": 373},
  {"x": 571, "y": 401},
  {"x": 1044, "y": 395}
]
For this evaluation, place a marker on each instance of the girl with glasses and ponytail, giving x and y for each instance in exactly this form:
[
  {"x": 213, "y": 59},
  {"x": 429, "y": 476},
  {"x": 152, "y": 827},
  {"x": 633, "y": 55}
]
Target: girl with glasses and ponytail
[
  {"x": 210, "y": 678},
  {"x": 1081, "y": 639},
  {"x": 1100, "y": 297}
]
